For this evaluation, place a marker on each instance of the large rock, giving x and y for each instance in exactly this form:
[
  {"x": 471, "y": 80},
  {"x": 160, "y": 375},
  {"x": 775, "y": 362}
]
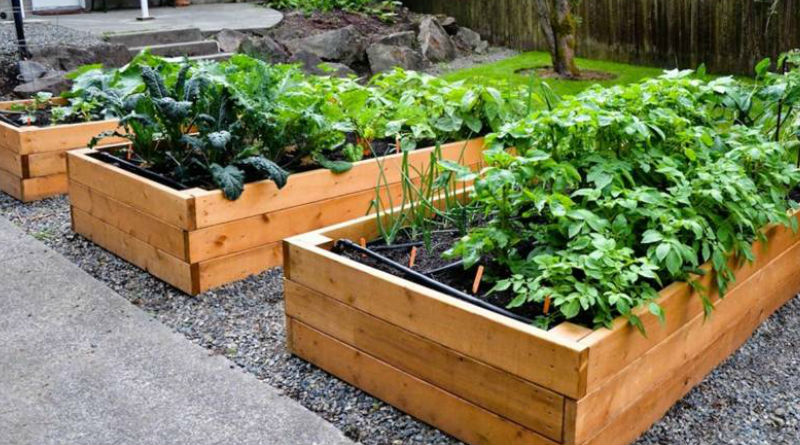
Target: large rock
[
  {"x": 229, "y": 40},
  {"x": 386, "y": 57},
  {"x": 264, "y": 48},
  {"x": 345, "y": 45},
  {"x": 68, "y": 57},
  {"x": 30, "y": 70},
  {"x": 313, "y": 64},
  {"x": 53, "y": 82},
  {"x": 448, "y": 23},
  {"x": 433, "y": 40},
  {"x": 404, "y": 38},
  {"x": 470, "y": 40}
]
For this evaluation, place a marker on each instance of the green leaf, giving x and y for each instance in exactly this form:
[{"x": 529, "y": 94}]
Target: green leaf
[
  {"x": 651, "y": 236},
  {"x": 658, "y": 311},
  {"x": 334, "y": 166},
  {"x": 259, "y": 167},
  {"x": 230, "y": 179}
]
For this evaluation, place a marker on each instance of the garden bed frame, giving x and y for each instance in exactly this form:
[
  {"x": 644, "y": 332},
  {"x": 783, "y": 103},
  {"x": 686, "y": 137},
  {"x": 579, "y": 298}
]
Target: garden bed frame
[
  {"x": 33, "y": 159},
  {"x": 196, "y": 239},
  {"x": 488, "y": 379}
]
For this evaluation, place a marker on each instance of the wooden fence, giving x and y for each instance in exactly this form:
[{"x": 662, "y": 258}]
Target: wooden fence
[{"x": 726, "y": 35}]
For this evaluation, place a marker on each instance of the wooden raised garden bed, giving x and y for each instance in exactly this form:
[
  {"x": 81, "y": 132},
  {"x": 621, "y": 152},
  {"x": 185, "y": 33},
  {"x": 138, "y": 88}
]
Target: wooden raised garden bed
[
  {"x": 486, "y": 378},
  {"x": 33, "y": 159},
  {"x": 197, "y": 240}
]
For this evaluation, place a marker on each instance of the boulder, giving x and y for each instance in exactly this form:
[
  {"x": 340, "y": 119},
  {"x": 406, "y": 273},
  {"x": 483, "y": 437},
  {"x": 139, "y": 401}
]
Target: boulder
[
  {"x": 313, "y": 64},
  {"x": 30, "y": 70},
  {"x": 68, "y": 57},
  {"x": 229, "y": 40},
  {"x": 449, "y": 24},
  {"x": 386, "y": 57},
  {"x": 433, "y": 40},
  {"x": 344, "y": 45},
  {"x": 53, "y": 82},
  {"x": 470, "y": 40},
  {"x": 404, "y": 38},
  {"x": 264, "y": 48}
]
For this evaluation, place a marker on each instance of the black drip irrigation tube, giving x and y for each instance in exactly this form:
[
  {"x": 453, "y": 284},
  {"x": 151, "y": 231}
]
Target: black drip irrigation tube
[
  {"x": 395, "y": 246},
  {"x": 416, "y": 277},
  {"x": 133, "y": 168}
]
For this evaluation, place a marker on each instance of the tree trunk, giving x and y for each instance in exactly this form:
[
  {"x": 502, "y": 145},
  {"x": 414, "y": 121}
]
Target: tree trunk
[{"x": 558, "y": 27}]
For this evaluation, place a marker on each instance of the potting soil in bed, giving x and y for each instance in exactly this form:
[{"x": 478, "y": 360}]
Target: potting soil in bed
[{"x": 750, "y": 399}]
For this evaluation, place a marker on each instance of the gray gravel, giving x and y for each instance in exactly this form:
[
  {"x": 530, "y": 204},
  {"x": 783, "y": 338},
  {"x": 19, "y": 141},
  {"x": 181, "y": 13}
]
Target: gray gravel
[
  {"x": 493, "y": 54},
  {"x": 751, "y": 399},
  {"x": 43, "y": 34}
]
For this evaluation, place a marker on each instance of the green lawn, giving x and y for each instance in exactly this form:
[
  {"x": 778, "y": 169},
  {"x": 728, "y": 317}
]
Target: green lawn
[{"x": 505, "y": 70}]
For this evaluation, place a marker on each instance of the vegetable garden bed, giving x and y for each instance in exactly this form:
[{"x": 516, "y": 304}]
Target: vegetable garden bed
[
  {"x": 196, "y": 239},
  {"x": 486, "y": 378},
  {"x": 33, "y": 159}
]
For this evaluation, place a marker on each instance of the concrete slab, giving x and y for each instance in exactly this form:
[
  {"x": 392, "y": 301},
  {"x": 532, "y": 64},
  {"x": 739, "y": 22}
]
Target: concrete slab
[
  {"x": 81, "y": 365},
  {"x": 209, "y": 18}
]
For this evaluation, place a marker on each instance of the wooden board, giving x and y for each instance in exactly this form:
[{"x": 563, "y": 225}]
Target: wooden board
[
  {"x": 160, "y": 264},
  {"x": 614, "y": 382},
  {"x": 624, "y": 344},
  {"x": 46, "y": 164},
  {"x": 527, "y": 352},
  {"x": 318, "y": 185},
  {"x": 43, "y": 187},
  {"x": 427, "y": 402},
  {"x": 11, "y": 162},
  {"x": 171, "y": 206},
  {"x": 236, "y": 266},
  {"x": 11, "y": 184},
  {"x": 768, "y": 288},
  {"x": 164, "y": 237},
  {"x": 532, "y": 406}
]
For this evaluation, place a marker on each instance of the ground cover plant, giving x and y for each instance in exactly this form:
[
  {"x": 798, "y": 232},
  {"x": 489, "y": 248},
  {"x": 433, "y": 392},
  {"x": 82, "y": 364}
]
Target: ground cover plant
[
  {"x": 221, "y": 125},
  {"x": 517, "y": 71},
  {"x": 612, "y": 194}
]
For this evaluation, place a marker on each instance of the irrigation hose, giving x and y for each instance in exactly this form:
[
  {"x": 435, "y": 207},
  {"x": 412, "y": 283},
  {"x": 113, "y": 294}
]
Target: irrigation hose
[{"x": 416, "y": 277}]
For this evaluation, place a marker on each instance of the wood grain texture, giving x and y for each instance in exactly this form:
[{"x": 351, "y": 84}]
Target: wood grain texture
[
  {"x": 427, "y": 402},
  {"x": 318, "y": 185},
  {"x": 162, "y": 265},
  {"x": 729, "y": 36},
  {"x": 530, "y": 405},
  {"x": 527, "y": 352}
]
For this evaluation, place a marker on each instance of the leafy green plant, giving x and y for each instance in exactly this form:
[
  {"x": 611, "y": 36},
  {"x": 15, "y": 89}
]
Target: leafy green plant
[
  {"x": 31, "y": 109},
  {"x": 616, "y": 192},
  {"x": 192, "y": 132}
]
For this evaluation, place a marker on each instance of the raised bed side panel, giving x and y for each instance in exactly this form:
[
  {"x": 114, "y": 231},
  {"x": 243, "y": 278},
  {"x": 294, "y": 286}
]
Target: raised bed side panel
[
  {"x": 680, "y": 360},
  {"x": 319, "y": 185},
  {"x": 423, "y": 400},
  {"x": 519, "y": 349}
]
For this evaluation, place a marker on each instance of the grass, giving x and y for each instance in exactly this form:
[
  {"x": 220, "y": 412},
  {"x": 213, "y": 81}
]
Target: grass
[{"x": 506, "y": 70}]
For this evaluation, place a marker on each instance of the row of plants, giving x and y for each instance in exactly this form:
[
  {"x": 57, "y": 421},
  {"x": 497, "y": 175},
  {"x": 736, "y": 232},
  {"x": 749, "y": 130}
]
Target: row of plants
[
  {"x": 592, "y": 204},
  {"x": 221, "y": 125}
]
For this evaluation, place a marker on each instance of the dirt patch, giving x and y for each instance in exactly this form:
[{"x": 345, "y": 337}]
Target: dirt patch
[
  {"x": 546, "y": 72},
  {"x": 297, "y": 24}
]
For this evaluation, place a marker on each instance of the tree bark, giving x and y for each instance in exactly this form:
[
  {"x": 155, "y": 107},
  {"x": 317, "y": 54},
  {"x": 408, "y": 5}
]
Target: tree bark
[{"x": 558, "y": 26}]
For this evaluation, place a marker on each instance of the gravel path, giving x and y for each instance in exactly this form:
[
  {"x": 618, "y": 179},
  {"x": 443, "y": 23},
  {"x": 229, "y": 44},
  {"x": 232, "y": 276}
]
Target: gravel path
[
  {"x": 493, "y": 54},
  {"x": 751, "y": 399},
  {"x": 42, "y": 34}
]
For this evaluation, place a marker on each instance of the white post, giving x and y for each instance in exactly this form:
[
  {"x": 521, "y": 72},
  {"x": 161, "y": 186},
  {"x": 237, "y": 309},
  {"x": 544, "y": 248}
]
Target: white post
[{"x": 145, "y": 11}]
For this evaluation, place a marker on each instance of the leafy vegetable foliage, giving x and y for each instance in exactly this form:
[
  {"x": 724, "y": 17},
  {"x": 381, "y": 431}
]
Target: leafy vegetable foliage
[{"x": 616, "y": 192}]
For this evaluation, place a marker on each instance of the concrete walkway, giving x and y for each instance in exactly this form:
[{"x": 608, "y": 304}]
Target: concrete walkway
[
  {"x": 81, "y": 365},
  {"x": 209, "y": 18}
]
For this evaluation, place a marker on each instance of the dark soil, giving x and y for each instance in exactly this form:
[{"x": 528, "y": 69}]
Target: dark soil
[
  {"x": 41, "y": 118},
  {"x": 429, "y": 259},
  {"x": 546, "y": 72},
  {"x": 297, "y": 24}
]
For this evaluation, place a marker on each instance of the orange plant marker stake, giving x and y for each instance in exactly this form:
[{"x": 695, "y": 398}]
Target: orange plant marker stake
[
  {"x": 397, "y": 144},
  {"x": 477, "y": 283},
  {"x": 413, "y": 257},
  {"x": 546, "y": 308},
  {"x": 363, "y": 242}
]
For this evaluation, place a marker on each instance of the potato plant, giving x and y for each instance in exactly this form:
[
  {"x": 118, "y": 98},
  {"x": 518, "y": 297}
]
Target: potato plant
[{"x": 614, "y": 193}]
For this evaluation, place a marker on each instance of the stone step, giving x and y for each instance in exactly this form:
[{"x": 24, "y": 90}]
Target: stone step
[
  {"x": 159, "y": 37},
  {"x": 180, "y": 49}
]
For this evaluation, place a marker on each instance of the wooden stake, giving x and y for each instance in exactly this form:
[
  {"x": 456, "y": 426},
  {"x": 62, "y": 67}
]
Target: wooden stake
[
  {"x": 397, "y": 144},
  {"x": 363, "y": 242},
  {"x": 413, "y": 256},
  {"x": 477, "y": 283},
  {"x": 546, "y": 305}
]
